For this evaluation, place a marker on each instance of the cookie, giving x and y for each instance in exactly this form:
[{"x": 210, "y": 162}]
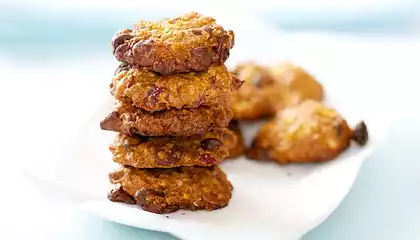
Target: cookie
[
  {"x": 239, "y": 146},
  {"x": 297, "y": 80},
  {"x": 260, "y": 96},
  {"x": 189, "y": 43},
  {"x": 151, "y": 91},
  {"x": 183, "y": 122},
  {"x": 307, "y": 132},
  {"x": 169, "y": 152},
  {"x": 168, "y": 190}
]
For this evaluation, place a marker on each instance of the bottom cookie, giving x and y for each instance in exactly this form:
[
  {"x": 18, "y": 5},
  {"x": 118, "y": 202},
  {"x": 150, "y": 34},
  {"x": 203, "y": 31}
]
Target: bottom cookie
[{"x": 168, "y": 190}]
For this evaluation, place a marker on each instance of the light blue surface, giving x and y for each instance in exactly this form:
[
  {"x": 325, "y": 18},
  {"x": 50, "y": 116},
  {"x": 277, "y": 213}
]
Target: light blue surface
[
  {"x": 28, "y": 32},
  {"x": 397, "y": 18},
  {"x": 385, "y": 201}
]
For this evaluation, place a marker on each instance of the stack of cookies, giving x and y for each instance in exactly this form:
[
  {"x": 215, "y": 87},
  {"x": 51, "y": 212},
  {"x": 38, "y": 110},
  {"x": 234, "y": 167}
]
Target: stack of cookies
[{"x": 172, "y": 109}]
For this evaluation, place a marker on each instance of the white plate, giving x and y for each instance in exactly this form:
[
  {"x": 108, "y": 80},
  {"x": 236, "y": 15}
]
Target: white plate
[{"x": 269, "y": 201}]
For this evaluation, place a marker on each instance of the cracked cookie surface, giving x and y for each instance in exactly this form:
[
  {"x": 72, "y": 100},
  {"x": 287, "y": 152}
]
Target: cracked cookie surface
[
  {"x": 168, "y": 190},
  {"x": 168, "y": 152},
  {"x": 307, "y": 132},
  {"x": 188, "y": 43},
  {"x": 183, "y": 122},
  {"x": 155, "y": 92}
]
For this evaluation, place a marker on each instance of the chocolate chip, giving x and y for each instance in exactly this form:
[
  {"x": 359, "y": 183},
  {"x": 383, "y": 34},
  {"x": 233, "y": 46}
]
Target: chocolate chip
[
  {"x": 154, "y": 206},
  {"x": 360, "y": 134},
  {"x": 120, "y": 51},
  {"x": 208, "y": 29},
  {"x": 168, "y": 156},
  {"x": 142, "y": 48},
  {"x": 119, "y": 195},
  {"x": 111, "y": 122},
  {"x": 221, "y": 50},
  {"x": 120, "y": 39},
  {"x": 197, "y": 32},
  {"x": 211, "y": 144},
  {"x": 162, "y": 67},
  {"x": 141, "y": 196},
  {"x": 203, "y": 54}
]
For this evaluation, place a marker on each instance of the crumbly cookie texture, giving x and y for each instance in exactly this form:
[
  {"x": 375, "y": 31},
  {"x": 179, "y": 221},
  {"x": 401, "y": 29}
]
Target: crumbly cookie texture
[
  {"x": 183, "y": 122},
  {"x": 169, "y": 152},
  {"x": 260, "y": 96},
  {"x": 188, "y": 43},
  {"x": 168, "y": 190},
  {"x": 151, "y": 91},
  {"x": 239, "y": 147},
  {"x": 308, "y": 132},
  {"x": 298, "y": 80}
]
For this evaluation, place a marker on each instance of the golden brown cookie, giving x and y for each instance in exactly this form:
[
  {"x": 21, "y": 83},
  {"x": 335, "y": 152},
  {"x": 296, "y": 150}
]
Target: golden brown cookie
[
  {"x": 260, "y": 96},
  {"x": 170, "y": 189},
  {"x": 189, "y": 43},
  {"x": 307, "y": 132},
  {"x": 239, "y": 147},
  {"x": 154, "y": 92},
  {"x": 297, "y": 80},
  {"x": 168, "y": 152},
  {"x": 183, "y": 122}
]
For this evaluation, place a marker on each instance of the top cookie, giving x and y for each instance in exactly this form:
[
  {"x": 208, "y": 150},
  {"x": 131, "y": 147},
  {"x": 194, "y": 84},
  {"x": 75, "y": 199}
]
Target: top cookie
[{"x": 188, "y": 43}]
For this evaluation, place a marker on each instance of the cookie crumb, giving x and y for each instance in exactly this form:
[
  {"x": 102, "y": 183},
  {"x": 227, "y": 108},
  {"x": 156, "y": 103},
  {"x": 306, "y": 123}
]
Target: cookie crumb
[{"x": 167, "y": 216}]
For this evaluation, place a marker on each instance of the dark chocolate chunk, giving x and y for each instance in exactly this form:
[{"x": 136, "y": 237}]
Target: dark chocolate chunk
[
  {"x": 211, "y": 144},
  {"x": 112, "y": 121},
  {"x": 164, "y": 157},
  {"x": 152, "y": 206},
  {"x": 360, "y": 134},
  {"x": 119, "y": 195},
  {"x": 120, "y": 39}
]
